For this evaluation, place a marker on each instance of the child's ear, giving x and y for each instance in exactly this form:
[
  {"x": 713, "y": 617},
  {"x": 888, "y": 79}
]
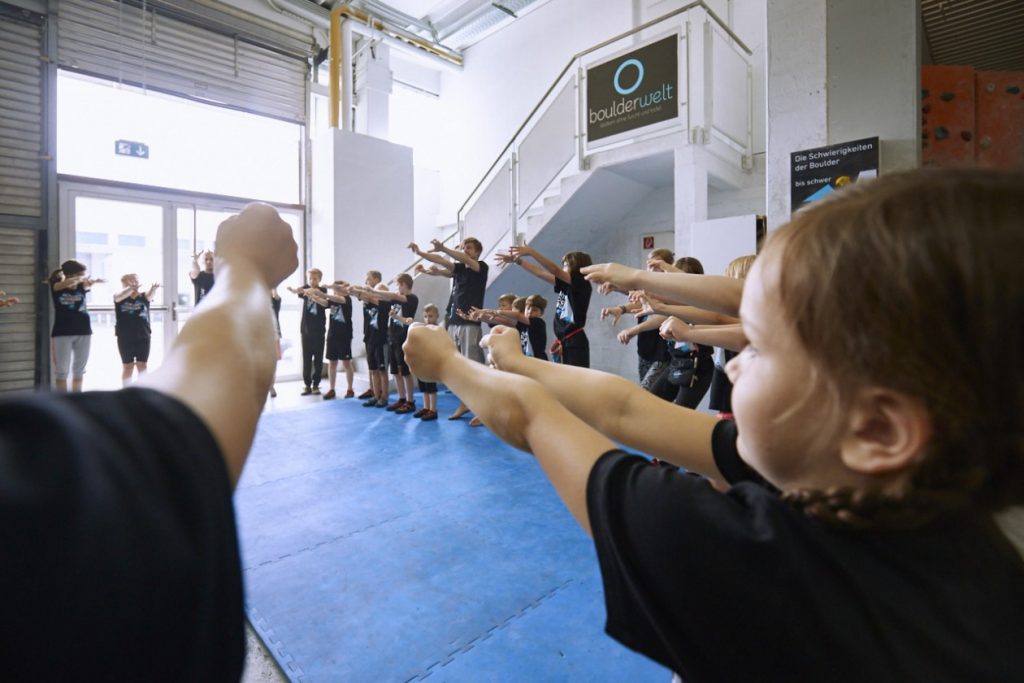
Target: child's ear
[{"x": 887, "y": 431}]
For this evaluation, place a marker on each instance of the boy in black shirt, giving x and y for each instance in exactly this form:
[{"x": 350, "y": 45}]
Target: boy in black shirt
[
  {"x": 402, "y": 307},
  {"x": 117, "y": 505},
  {"x": 313, "y": 327}
]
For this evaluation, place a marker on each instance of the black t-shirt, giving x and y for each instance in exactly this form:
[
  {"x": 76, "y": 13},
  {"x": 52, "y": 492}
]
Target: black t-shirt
[
  {"x": 70, "y": 314},
  {"x": 275, "y": 305},
  {"x": 397, "y": 330},
  {"x": 378, "y": 323},
  {"x": 118, "y": 532},
  {"x": 743, "y": 587},
  {"x": 572, "y": 304},
  {"x": 649, "y": 344},
  {"x": 131, "y": 318},
  {"x": 468, "y": 287},
  {"x": 534, "y": 338},
  {"x": 314, "y": 316},
  {"x": 202, "y": 284},
  {"x": 721, "y": 388},
  {"x": 340, "y": 319}
]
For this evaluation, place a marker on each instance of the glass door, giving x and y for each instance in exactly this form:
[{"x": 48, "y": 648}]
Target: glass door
[
  {"x": 117, "y": 231},
  {"x": 113, "y": 238}
]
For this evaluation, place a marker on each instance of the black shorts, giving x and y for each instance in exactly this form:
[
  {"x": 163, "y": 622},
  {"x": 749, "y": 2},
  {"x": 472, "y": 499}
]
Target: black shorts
[
  {"x": 339, "y": 347},
  {"x": 428, "y": 387},
  {"x": 133, "y": 350},
  {"x": 397, "y": 358},
  {"x": 375, "y": 356}
]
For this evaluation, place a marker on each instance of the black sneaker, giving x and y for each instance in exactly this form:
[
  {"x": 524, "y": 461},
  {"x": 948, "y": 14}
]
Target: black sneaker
[
  {"x": 372, "y": 403},
  {"x": 365, "y": 395}
]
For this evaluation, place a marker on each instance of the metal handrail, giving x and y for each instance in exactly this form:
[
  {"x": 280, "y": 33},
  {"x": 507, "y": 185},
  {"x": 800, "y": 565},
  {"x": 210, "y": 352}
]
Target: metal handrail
[{"x": 578, "y": 55}]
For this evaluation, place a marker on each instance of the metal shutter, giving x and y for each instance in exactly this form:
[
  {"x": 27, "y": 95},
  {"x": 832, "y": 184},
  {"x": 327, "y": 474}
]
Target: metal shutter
[
  {"x": 22, "y": 203},
  {"x": 18, "y": 323},
  {"x": 143, "y": 44},
  {"x": 21, "y": 113}
]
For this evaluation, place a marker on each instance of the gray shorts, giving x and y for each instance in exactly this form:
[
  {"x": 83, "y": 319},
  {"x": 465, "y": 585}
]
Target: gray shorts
[
  {"x": 63, "y": 350},
  {"x": 467, "y": 341}
]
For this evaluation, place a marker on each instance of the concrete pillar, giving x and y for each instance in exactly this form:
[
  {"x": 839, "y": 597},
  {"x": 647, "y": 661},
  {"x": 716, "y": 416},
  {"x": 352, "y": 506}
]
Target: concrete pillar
[
  {"x": 691, "y": 198},
  {"x": 840, "y": 71}
]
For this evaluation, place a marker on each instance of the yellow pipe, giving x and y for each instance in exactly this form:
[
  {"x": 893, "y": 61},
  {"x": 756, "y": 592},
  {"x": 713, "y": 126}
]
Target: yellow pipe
[{"x": 342, "y": 10}]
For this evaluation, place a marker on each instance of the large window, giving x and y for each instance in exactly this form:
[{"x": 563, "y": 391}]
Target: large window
[{"x": 191, "y": 146}]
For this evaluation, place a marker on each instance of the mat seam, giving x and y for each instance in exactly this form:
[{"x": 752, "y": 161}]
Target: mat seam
[{"x": 470, "y": 644}]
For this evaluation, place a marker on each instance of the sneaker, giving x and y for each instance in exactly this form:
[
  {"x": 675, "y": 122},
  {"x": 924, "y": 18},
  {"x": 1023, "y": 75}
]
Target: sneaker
[
  {"x": 406, "y": 407},
  {"x": 396, "y": 405},
  {"x": 350, "y": 394},
  {"x": 421, "y": 412},
  {"x": 316, "y": 391},
  {"x": 307, "y": 391},
  {"x": 429, "y": 415},
  {"x": 372, "y": 403},
  {"x": 365, "y": 395},
  {"x": 381, "y": 403},
  {"x": 329, "y": 395}
]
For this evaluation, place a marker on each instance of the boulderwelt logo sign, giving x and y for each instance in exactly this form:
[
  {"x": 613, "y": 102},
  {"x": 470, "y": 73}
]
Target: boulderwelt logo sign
[{"x": 633, "y": 90}]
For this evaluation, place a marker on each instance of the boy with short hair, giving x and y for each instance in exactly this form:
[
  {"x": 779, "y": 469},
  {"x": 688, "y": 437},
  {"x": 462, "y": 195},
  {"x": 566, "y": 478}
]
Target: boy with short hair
[
  {"x": 402, "y": 311},
  {"x": 312, "y": 329},
  {"x": 428, "y": 412},
  {"x": 339, "y": 335}
]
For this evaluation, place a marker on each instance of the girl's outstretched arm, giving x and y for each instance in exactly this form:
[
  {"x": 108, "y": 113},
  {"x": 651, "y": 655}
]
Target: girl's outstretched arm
[
  {"x": 712, "y": 292},
  {"x": 519, "y": 410},
  {"x": 547, "y": 264},
  {"x": 616, "y": 407}
]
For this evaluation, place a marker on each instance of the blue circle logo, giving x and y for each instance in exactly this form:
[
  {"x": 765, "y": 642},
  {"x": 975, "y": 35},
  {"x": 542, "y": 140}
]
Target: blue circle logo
[{"x": 639, "y": 76}]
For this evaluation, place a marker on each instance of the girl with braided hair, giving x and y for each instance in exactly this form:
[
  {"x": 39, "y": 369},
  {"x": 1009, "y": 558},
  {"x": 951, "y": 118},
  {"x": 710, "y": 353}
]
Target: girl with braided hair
[{"x": 873, "y": 528}]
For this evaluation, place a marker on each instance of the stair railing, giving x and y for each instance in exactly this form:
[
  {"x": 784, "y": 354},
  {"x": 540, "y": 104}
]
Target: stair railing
[{"x": 552, "y": 139}]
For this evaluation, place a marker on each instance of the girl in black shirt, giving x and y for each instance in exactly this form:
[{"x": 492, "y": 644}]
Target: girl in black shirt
[
  {"x": 72, "y": 329},
  {"x": 131, "y": 314},
  {"x": 572, "y": 303}
]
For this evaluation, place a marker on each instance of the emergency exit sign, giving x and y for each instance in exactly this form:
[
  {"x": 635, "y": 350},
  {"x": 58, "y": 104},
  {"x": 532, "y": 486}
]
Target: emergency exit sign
[{"x": 127, "y": 148}]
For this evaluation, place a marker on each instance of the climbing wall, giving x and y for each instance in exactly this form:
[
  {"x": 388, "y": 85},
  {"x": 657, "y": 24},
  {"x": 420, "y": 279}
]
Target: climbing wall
[{"x": 972, "y": 118}]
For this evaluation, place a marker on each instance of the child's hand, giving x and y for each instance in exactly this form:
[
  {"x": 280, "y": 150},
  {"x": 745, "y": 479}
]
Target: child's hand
[
  {"x": 505, "y": 347},
  {"x": 614, "y": 311},
  {"x": 503, "y": 259},
  {"x": 427, "y": 349},
  {"x": 625, "y": 336},
  {"x": 436, "y": 245},
  {"x": 415, "y": 248},
  {"x": 674, "y": 329},
  {"x": 615, "y": 275},
  {"x": 521, "y": 251}
]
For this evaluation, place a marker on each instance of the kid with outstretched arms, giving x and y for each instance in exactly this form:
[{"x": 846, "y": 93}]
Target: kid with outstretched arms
[{"x": 874, "y": 529}]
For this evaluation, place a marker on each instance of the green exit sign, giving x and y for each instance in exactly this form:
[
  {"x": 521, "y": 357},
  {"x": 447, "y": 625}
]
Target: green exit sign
[{"x": 127, "y": 148}]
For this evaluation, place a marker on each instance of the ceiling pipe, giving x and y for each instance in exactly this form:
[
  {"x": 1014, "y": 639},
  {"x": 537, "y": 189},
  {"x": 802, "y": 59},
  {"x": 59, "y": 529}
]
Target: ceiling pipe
[{"x": 373, "y": 27}]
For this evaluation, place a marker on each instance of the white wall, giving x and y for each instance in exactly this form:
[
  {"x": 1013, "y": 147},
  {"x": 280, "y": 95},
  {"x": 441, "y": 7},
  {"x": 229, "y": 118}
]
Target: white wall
[
  {"x": 373, "y": 211},
  {"x": 651, "y": 215}
]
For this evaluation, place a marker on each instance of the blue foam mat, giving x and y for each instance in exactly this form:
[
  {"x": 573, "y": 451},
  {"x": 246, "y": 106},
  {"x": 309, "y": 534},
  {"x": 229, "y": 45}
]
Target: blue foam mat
[{"x": 380, "y": 548}]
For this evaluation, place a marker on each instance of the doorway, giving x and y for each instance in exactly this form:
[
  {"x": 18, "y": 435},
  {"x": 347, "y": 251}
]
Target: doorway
[{"x": 120, "y": 230}]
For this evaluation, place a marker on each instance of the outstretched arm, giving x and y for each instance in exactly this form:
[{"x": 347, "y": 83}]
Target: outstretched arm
[
  {"x": 712, "y": 292},
  {"x": 547, "y": 264},
  {"x": 222, "y": 363},
  {"x": 456, "y": 254},
  {"x": 616, "y": 407},
  {"x": 441, "y": 271},
  {"x": 505, "y": 258},
  {"x": 726, "y": 336},
  {"x": 433, "y": 258},
  {"x": 520, "y": 411}
]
